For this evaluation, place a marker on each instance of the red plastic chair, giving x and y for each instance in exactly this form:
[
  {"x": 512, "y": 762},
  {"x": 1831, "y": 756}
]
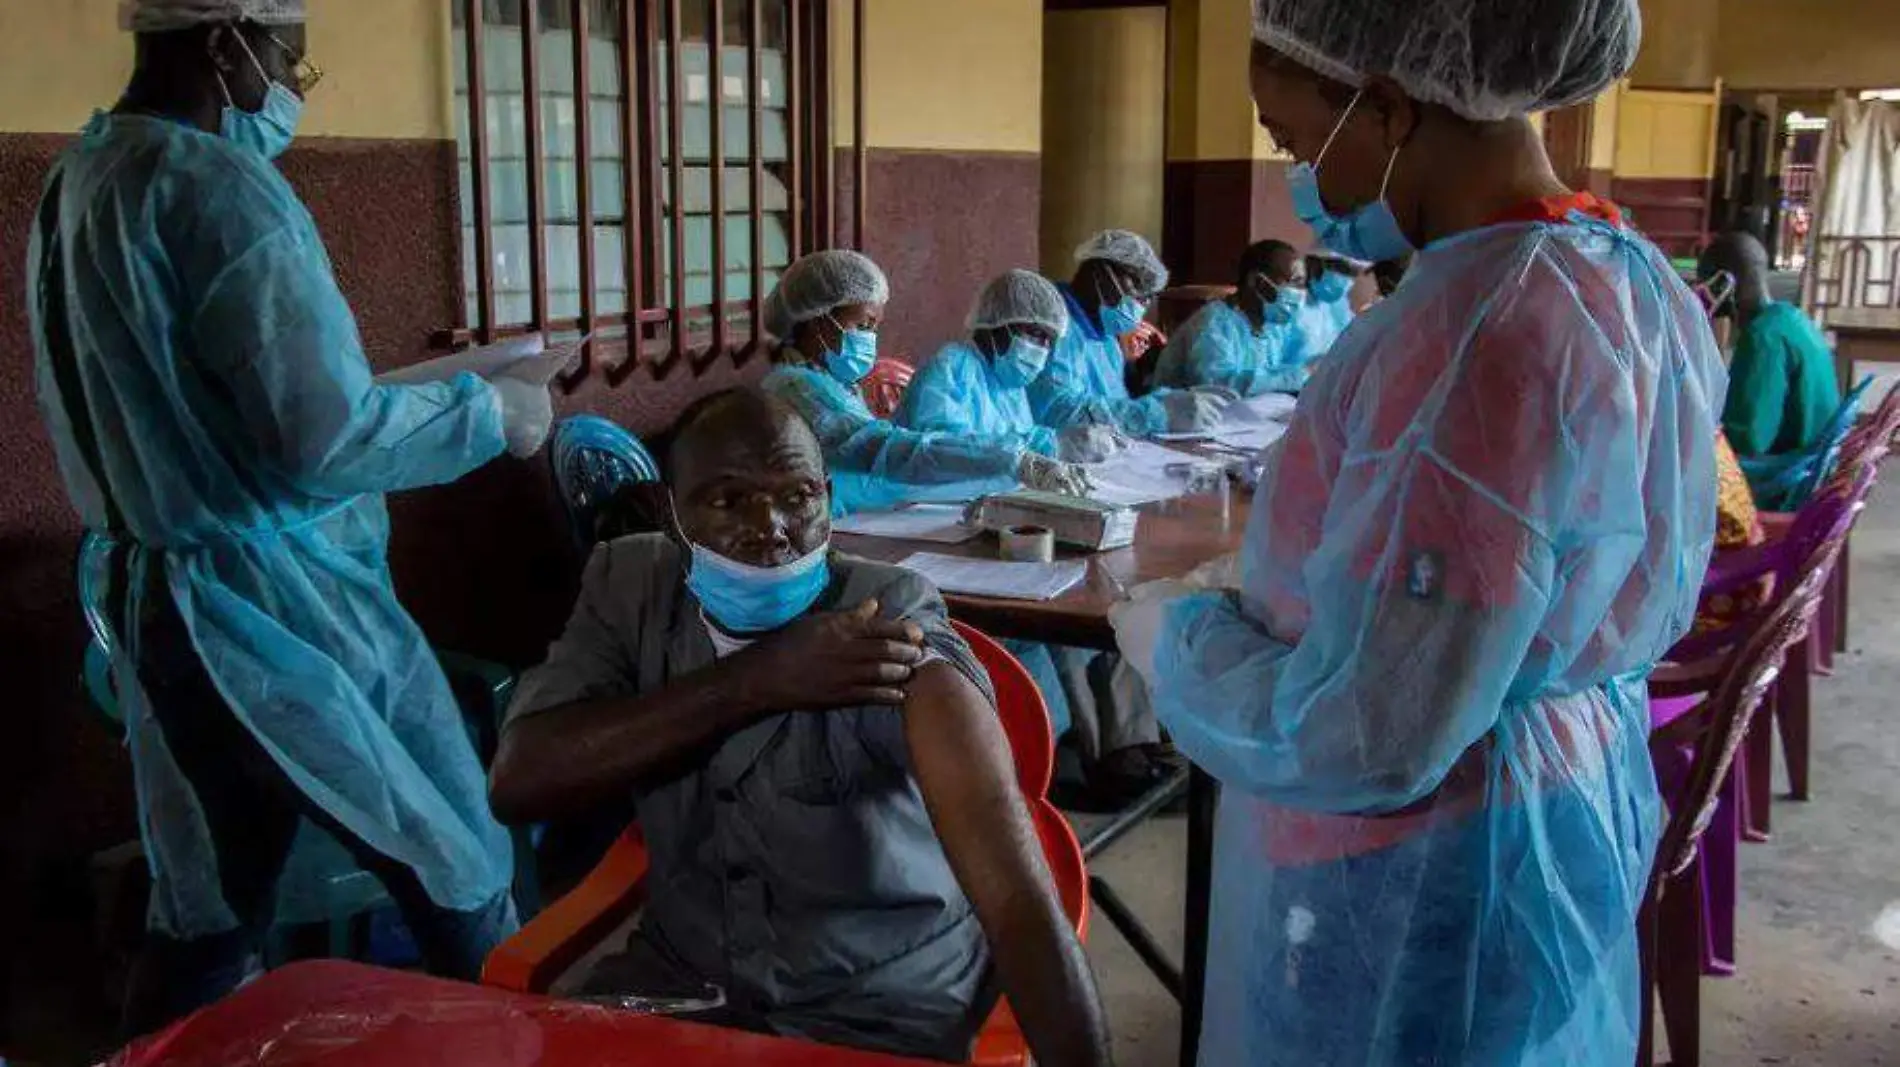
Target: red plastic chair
[
  {"x": 884, "y": 387},
  {"x": 571, "y": 927},
  {"x": 1671, "y": 927}
]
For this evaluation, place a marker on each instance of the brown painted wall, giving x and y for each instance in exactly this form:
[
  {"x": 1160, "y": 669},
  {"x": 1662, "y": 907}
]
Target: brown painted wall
[
  {"x": 1216, "y": 208},
  {"x": 1670, "y": 211},
  {"x": 942, "y": 224}
]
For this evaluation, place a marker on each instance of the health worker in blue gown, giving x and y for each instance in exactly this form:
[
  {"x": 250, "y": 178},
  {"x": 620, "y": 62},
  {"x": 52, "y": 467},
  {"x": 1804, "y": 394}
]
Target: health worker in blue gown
[
  {"x": 1249, "y": 342},
  {"x": 1117, "y": 277},
  {"x": 1328, "y": 308},
  {"x": 1489, "y": 518},
  {"x": 976, "y": 389},
  {"x": 213, "y": 414},
  {"x": 826, "y": 312}
]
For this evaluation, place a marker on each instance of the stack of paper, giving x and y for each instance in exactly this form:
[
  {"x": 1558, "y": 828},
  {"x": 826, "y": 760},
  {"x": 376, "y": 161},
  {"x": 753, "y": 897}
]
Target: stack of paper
[
  {"x": 937, "y": 523},
  {"x": 1140, "y": 476},
  {"x": 994, "y": 578}
]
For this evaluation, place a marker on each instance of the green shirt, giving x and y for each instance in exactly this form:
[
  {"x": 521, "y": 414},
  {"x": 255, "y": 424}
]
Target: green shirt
[{"x": 1782, "y": 390}]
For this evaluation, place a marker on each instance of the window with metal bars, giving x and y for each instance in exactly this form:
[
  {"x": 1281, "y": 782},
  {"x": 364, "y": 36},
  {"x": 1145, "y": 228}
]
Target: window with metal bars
[{"x": 609, "y": 189}]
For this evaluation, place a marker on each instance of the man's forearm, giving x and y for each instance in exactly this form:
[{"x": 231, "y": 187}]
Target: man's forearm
[
  {"x": 561, "y": 761},
  {"x": 1051, "y": 988}
]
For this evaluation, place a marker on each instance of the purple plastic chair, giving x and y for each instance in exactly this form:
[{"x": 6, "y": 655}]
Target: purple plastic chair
[
  {"x": 1696, "y": 754},
  {"x": 1700, "y": 664}
]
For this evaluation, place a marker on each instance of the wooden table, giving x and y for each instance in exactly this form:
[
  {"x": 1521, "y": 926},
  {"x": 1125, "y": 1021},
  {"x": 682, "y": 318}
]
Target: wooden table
[
  {"x": 336, "y": 1014},
  {"x": 1862, "y": 335},
  {"x": 1172, "y": 540}
]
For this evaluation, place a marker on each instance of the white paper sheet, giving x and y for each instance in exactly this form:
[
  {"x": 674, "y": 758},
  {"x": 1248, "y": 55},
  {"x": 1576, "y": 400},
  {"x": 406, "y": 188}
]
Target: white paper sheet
[
  {"x": 937, "y": 523},
  {"x": 1252, "y": 438},
  {"x": 995, "y": 578},
  {"x": 1267, "y": 407},
  {"x": 1139, "y": 476},
  {"x": 527, "y": 358}
]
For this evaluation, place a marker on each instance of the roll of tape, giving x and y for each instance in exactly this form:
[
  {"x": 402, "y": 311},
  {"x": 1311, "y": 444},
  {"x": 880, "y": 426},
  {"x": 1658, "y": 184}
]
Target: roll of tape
[{"x": 1029, "y": 544}]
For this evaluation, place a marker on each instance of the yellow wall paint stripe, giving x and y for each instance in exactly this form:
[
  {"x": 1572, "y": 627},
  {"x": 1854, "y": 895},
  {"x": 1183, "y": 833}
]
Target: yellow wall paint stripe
[
  {"x": 386, "y": 64},
  {"x": 962, "y": 75}
]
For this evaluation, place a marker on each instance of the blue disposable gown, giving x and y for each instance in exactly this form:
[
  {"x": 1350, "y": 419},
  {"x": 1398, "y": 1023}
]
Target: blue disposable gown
[
  {"x": 1085, "y": 382},
  {"x": 248, "y": 450},
  {"x": 1489, "y": 519},
  {"x": 1321, "y": 322},
  {"x": 875, "y": 464},
  {"x": 957, "y": 393},
  {"x": 1219, "y": 346}
]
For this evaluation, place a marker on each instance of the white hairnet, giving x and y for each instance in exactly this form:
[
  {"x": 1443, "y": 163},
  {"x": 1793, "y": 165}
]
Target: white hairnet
[
  {"x": 1484, "y": 59},
  {"x": 1127, "y": 249},
  {"x": 820, "y": 284},
  {"x": 161, "y": 16},
  {"x": 1020, "y": 297}
]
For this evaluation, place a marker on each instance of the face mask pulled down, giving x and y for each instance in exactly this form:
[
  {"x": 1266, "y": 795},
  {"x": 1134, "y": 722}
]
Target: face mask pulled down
[
  {"x": 744, "y": 599},
  {"x": 267, "y": 132},
  {"x": 1370, "y": 233}
]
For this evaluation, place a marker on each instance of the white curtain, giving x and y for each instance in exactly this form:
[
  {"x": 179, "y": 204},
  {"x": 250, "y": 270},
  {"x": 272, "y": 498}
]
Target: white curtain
[{"x": 1860, "y": 198}]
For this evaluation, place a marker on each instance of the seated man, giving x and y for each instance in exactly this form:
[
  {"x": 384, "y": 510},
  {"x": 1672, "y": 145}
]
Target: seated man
[
  {"x": 975, "y": 389},
  {"x": 1782, "y": 389},
  {"x": 838, "y": 841},
  {"x": 1249, "y": 342},
  {"x": 1117, "y": 276}
]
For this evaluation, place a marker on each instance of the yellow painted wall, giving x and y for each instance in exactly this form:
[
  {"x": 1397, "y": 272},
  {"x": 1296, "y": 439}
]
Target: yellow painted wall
[
  {"x": 1605, "y": 114},
  {"x": 1680, "y": 43},
  {"x": 1210, "y": 110},
  {"x": 1666, "y": 134},
  {"x": 963, "y": 76},
  {"x": 1103, "y": 109},
  {"x": 386, "y": 64},
  {"x": 1813, "y": 44}
]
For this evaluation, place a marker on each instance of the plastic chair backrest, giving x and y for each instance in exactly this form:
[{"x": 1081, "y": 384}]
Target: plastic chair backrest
[
  {"x": 1825, "y": 519},
  {"x": 1020, "y": 706},
  {"x": 593, "y": 457},
  {"x": 1786, "y": 482},
  {"x": 1742, "y": 692},
  {"x": 884, "y": 387}
]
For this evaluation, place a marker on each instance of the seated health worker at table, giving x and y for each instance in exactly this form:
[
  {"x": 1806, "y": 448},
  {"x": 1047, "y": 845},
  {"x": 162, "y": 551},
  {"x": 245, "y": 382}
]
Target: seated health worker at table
[
  {"x": 837, "y": 838},
  {"x": 975, "y": 387},
  {"x": 1783, "y": 390},
  {"x": 1328, "y": 308},
  {"x": 1249, "y": 342},
  {"x": 826, "y": 312},
  {"x": 214, "y": 414},
  {"x": 1489, "y": 518},
  {"x": 1117, "y": 276}
]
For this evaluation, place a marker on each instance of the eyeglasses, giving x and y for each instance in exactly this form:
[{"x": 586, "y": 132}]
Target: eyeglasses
[
  {"x": 1715, "y": 291},
  {"x": 305, "y": 73}
]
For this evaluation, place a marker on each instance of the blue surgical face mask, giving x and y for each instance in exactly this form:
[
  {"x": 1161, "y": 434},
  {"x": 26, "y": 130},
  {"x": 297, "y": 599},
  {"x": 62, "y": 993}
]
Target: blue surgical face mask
[
  {"x": 1021, "y": 363},
  {"x": 1285, "y": 305},
  {"x": 854, "y": 357},
  {"x": 1369, "y": 233},
  {"x": 267, "y": 132},
  {"x": 744, "y": 599},
  {"x": 1329, "y": 287}
]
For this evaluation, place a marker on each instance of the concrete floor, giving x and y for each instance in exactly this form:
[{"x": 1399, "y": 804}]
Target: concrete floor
[{"x": 1819, "y": 927}]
